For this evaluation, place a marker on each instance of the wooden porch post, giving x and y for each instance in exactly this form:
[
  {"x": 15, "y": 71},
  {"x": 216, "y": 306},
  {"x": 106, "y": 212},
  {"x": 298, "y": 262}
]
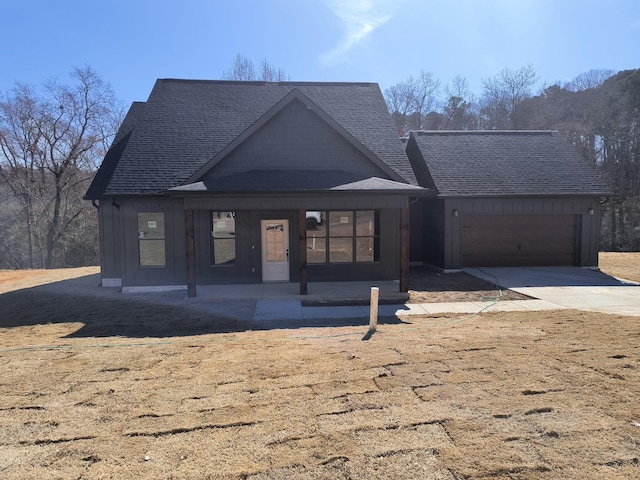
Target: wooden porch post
[
  {"x": 191, "y": 252},
  {"x": 302, "y": 249},
  {"x": 404, "y": 249}
]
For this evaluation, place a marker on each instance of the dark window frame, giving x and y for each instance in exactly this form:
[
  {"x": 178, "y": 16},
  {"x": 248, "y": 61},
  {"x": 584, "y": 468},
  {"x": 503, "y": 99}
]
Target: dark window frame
[
  {"x": 142, "y": 240},
  {"x": 327, "y": 237},
  {"x": 221, "y": 240}
]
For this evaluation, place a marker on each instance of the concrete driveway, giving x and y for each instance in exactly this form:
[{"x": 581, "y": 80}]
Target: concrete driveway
[{"x": 568, "y": 287}]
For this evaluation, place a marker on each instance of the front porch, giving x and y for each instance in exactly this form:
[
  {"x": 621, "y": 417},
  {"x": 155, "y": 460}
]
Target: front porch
[{"x": 360, "y": 238}]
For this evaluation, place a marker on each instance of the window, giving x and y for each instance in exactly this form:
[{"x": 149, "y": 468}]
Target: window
[
  {"x": 151, "y": 241},
  {"x": 317, "y": 241},
  {"x": 345, "y": 236},
  {"x": 223, "y": 238},
  {"x": 367, "y": 242},
  {"x": 340, "y": 237}
]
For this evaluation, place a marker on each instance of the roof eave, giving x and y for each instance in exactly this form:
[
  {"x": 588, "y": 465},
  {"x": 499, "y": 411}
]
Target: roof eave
[
  {"x": 527, "y": 195},
  {"x": 280, "y": 193}
]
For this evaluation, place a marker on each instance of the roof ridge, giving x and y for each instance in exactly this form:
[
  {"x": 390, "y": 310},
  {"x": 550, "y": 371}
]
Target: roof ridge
[
  {"x": 483, "y": 132},
  {"x": 262, "y": 82}
]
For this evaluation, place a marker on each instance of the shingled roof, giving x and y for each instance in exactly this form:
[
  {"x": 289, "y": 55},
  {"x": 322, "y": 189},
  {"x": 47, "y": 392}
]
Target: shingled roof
[
  {"x": 164, "y": 142},
  {"x": 501, "y": 163}
]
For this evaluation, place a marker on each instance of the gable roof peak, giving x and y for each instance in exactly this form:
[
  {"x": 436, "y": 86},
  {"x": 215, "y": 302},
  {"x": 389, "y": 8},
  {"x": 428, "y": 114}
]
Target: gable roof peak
[{"x": 291, "y": 96}]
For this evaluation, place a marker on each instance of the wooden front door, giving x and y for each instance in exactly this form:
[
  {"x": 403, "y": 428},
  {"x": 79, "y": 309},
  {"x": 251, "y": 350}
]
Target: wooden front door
[{"x": 275, "y": 250}]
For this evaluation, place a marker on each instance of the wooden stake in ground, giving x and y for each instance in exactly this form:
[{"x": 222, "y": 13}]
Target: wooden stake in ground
[{"x": 373, "y": 316}]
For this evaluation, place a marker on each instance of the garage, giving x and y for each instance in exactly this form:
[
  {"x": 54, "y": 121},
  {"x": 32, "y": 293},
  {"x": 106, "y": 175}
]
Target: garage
[
  {"x": 504, "y": 198},
  {"x": 519, "y": 240}
]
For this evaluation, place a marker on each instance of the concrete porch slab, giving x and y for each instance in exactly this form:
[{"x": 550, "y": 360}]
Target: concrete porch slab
[
  {"x": 239, "y": 292},
  {"x": 277, "y": 309},
  {"x": 318, "y": 293}
]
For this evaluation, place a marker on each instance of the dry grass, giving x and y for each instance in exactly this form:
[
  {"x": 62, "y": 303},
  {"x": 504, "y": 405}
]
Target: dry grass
[
  {"x": 11, "y": 280},
  {"x": 504, "y": 395},
  {"x": 622, "y": 265}
]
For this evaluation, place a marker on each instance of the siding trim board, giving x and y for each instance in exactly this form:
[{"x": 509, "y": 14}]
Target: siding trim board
[{"x": 281, "y": 201}]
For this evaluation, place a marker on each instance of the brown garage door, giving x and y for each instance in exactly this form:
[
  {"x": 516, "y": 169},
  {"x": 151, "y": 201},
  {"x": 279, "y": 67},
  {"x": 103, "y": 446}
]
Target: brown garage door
[{"x": 519, "y": 240}]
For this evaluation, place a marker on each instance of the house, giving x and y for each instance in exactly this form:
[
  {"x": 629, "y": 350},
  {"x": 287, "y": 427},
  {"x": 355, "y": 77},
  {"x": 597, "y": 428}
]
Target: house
[
  {"x": 504, "y": 198},
  {"x": 212, "y": 182}
]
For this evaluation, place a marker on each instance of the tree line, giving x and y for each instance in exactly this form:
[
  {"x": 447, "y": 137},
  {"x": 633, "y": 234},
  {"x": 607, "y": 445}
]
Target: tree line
[
  {"x": 53, "y": 138},
  {"x": 598, "y": 112},
  {"x": 52, "y": 141}
]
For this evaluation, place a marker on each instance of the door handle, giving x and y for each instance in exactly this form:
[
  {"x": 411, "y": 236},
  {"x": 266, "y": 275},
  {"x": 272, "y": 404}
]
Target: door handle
[{"x": 287, "y": 254}]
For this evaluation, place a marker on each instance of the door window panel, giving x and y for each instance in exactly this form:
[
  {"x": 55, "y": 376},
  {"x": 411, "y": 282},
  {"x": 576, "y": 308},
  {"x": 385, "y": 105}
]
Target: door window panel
[{"x": 275, "y": 242}]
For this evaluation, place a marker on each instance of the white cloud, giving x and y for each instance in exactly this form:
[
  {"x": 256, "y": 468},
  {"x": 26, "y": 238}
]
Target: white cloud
[{"x": 360, "y": 18}]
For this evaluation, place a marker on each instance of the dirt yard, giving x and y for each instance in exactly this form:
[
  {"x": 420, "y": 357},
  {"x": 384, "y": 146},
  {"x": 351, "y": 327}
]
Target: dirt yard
[
  {"x": 89, "y": 391},
  {"x": 428, "y": 286}
]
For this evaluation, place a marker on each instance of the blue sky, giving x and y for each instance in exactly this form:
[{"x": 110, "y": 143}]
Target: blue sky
[{"x": 130, "y": 43}]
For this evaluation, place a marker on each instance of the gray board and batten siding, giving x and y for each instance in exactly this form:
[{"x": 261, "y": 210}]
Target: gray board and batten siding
[
  {"x": 119, "y": 234},
  {"x": 122, "y": 255},
  {"x": 257, "y": 151}
]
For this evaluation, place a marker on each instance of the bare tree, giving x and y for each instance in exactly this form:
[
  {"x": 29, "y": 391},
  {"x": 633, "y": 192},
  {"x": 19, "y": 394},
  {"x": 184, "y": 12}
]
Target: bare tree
[
  {"x": 269, "y": 73},
  {"x": 243, "y": 68},
  {"x": 591, "y": 79},
  {"x": 460, "y": 109},
  {"x": 50, "y": 144},
  {"x": 502, "y": 94},
  {"x": 424, "y": 91},
  {"x": 410, "y": 102},
  {"x": 399, "y": 103}
]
